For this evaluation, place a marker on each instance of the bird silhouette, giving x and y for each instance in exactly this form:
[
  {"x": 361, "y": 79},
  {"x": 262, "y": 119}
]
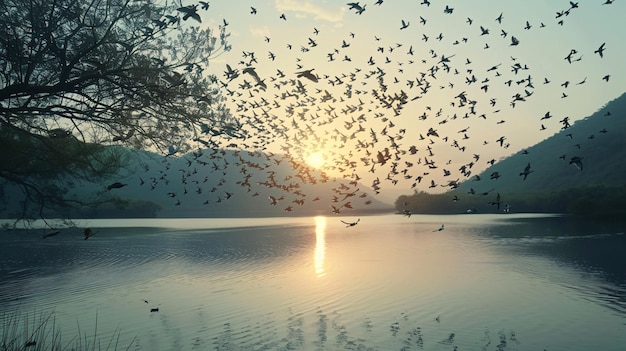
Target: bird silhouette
[
  {"x": 51, "y": 234},
  {"x": 357, "y": 7},
  {"x": 577, "y": 162},
  {"x": 88, "y": 233},
  {"x": 191, "y": 11},
  {"x": 116, "y": 185},
  {"x": 600, "y": 50},
  {"x": 351, "y": 224},
  {"x": 307, "y": 74},
  {"x": 526, "y": 171},
  {"x": 497, "y": 202}
]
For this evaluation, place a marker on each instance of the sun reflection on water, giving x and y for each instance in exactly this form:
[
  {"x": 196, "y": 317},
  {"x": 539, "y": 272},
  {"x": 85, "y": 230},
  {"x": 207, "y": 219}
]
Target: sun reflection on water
[{"x": 320, "y": 245}]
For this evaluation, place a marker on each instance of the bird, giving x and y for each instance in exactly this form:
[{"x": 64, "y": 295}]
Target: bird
[
  {"x": 497, "y": 202},
  {"x": 88, "y": 233},
  {"x": 116, "y": 185},
  {"x": 308, "y": 74},
  {"x": 190, "y": 11},
  {"x": 351, "y": 224},
  {"x": 171, "y": 150},
  {"x": 55, "y": 233},
  {"x": 439, "y": 229},
  {"x": 273, "y": 200},
  {"x": 526, "y": 171},
  {"x": 577, "y": 162},
  {"x": 600, "y": 50},
  {"x": 251, "y": 71},
  {"x": 357, "y": 7}
]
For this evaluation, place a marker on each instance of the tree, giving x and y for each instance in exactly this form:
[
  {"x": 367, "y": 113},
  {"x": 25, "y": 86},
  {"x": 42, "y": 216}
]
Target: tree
[{"x": 78, "y": 76}]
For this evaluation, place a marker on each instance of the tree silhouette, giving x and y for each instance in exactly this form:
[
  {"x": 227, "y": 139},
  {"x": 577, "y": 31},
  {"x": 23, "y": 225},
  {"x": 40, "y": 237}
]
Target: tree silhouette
[{"x": 77, "y": 76}]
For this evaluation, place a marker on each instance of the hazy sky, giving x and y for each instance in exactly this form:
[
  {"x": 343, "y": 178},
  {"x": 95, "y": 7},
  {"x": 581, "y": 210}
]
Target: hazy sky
[{"x": 458, "y": 61}]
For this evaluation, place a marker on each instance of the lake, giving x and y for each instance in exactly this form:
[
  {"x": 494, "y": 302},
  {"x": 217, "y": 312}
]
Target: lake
[{"x": 390, "y": 282}]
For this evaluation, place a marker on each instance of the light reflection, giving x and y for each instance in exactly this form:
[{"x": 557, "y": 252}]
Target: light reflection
[{"x": 320, "y": 245}]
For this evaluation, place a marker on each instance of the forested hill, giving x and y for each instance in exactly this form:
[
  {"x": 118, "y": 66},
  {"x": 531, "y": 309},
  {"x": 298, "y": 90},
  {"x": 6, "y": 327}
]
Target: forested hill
[
  {"x": 228, "y": 183},
  {"x": 599, "y": 141},
  {"x": 580, "y": 170}
]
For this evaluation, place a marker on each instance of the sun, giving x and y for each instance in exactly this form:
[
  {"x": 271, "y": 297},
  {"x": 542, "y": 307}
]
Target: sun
[{"x": 315, "y": 159}]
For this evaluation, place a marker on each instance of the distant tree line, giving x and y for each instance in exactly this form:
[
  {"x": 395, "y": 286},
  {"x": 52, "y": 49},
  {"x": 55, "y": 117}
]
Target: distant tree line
[{"x": 598, "y": 201}]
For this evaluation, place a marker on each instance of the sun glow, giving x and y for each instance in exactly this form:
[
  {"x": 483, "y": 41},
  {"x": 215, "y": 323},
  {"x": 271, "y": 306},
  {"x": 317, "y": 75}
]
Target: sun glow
[{"x": 315, "y": 159}]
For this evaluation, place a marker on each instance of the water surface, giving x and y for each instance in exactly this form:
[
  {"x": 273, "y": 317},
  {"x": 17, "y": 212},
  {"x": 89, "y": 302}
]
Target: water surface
[{"x": 486, "y": 282}]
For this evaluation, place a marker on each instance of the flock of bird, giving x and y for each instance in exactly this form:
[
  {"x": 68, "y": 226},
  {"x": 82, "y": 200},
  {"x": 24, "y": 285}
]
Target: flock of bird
[{"x": 357, "y": 107}]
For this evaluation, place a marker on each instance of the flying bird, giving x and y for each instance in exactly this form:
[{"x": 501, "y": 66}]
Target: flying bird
[
  {"x": 190, "y": 11},
  {"x": 577, "y": 162},
  {"x": 55, "y": 233},
  {"x": 308, "y": 74},
  {"x": 526, "y": 171},
  {"x": 357, "y": 7},
  {"x": 88, "y": 233},
  {"x": 116, "y": 185},
  {"x": 600, "y": 50},
  {"x": 439, "y": 229},
  {"x": 497, "y": 202},
  {"x": 351, "y": 224}
]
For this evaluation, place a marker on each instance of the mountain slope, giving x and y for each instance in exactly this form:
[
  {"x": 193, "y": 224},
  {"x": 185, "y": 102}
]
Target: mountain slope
[
  {"x": 598, "y": 140},
  {"x": 234, "y": 183}
]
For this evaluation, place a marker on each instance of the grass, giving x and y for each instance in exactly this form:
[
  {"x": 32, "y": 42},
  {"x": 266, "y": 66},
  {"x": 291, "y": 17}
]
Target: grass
[{"x": 39, "y": 331}]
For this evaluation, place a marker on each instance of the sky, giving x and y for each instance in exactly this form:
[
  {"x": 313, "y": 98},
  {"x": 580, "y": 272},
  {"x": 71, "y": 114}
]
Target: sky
[{"x": 427, "y": 89}]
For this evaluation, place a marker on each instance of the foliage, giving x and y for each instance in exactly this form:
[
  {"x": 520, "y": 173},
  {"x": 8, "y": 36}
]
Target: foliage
[
  {"x": 40, "y": 167},
  {"x": 76, "y": 75},
  {"x": 598, "y": 201}
]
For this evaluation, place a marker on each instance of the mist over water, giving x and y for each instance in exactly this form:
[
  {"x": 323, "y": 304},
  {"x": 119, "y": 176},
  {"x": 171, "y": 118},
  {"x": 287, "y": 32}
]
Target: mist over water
[{"x": 505, "y": 282}]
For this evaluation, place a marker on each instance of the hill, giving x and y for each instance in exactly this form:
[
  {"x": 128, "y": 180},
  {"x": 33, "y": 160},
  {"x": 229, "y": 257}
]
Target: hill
[
  {"x": 598, "y": 140},
  {"x": 226, "y": 183},
  {"x": 580, "y": 170}
]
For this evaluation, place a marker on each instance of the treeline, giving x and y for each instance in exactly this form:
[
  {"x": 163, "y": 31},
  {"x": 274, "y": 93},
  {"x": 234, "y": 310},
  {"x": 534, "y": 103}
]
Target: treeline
[{"x": 598, "y": 201}]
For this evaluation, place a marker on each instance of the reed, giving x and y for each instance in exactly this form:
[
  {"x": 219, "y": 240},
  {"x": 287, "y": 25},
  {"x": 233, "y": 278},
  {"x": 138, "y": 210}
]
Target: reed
[{"x": 39, "y": 331}]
